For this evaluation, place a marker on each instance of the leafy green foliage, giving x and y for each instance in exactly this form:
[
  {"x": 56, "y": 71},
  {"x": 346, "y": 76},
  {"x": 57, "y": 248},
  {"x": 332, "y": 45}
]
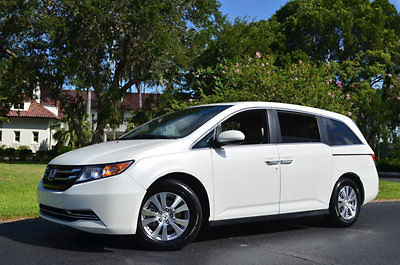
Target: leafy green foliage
[
  {"x": 360, "y": 39},
  {"x": 258, "y": 79},
  {"x": 67, "y": 136},
  {"x": 109, "y": 46},
  {"x": 18, "y": 41},
  {"x": 104, "y": 46},
  {"x": 340, "y": 55},
  {"x": 388, "y": 165}
]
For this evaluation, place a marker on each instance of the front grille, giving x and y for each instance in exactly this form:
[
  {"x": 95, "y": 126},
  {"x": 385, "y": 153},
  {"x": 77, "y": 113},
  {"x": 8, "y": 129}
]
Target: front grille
[
  {"x": 60, "y": 177},
  {"x": 68, "y": 215}
]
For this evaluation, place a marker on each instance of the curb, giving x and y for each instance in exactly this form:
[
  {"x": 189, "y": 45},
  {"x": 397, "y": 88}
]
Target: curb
[
  {"x": 385, "y": 200},
  {"x": 18, "y": 219},
  {"x": 389, "y": 174}
]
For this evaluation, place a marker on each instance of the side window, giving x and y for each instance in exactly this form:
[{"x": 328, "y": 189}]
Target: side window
[
  {"x": 205, "y": 141},
  {"x": 339, "y": 133},
  {"x": 252, "y": 123},
  {"x": 298, "y": 128}
]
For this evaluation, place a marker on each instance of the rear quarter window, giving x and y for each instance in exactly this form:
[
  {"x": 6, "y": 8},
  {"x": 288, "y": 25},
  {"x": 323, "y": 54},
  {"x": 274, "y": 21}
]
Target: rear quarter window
[{"x": 339, "y": 133}]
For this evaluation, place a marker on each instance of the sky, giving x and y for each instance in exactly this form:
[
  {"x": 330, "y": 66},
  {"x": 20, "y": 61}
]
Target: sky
[{"x": 259, "y": 9}]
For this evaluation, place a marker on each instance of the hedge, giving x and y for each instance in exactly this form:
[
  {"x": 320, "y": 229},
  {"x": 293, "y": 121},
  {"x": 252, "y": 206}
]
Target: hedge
[
  {"x": 24, "y": 153},
  {"x": 388, "y": 165}
]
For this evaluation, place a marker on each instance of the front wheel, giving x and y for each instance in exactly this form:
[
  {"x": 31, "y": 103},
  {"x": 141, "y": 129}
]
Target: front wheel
[
  {"x": 170, "y": 216},
  {"x": 345, "y": 203}
]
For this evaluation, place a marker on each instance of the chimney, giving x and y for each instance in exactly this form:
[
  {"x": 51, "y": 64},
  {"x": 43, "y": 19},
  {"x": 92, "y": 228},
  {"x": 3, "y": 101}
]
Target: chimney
[{"x": 36, "y": 93}]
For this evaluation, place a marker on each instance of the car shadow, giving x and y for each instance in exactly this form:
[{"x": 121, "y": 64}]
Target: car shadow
[
  {"x": 39, "y": 232},
  {"x": 260, "y": 228}
]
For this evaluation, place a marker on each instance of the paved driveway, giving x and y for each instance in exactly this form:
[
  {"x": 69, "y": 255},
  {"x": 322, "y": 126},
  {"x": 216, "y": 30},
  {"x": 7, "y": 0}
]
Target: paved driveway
[{"x": 374, "y": 239}]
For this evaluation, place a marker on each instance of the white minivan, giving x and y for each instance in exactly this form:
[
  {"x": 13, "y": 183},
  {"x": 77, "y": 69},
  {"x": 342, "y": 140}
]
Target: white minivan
[{"x": 213, "y": 164}]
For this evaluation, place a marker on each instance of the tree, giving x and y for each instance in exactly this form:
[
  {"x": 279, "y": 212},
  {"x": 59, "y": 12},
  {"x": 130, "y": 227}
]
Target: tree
[
  {"x": 109, "y": 46},
  {"x": 257, "y": 78},
  {"x": 18, "y": 41},
  {"x": 361, "y": 36}
]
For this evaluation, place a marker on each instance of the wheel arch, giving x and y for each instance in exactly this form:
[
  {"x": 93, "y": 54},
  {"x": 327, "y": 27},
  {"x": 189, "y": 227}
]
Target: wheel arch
[
  {"x": 193, "y": 183},
  {"x": 356, "y": 179}
]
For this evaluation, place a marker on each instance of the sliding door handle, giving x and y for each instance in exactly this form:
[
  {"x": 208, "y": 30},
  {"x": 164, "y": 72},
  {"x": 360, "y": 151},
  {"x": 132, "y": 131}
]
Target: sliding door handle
[
  {"x": 271, "y": 162},
  {"x": 286, "y": 162}
]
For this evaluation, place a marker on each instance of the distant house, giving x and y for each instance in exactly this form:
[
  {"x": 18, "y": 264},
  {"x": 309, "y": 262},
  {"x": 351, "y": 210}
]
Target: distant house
[
  {"x": 30, "y": 122},
  {"x": 29, "y": 126}
]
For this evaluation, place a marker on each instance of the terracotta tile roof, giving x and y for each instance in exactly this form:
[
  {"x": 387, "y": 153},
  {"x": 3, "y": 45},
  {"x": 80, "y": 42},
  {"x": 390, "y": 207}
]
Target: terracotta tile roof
[
  {"x": 129, "y": 102},
  {"x": 35, "y": 111}
]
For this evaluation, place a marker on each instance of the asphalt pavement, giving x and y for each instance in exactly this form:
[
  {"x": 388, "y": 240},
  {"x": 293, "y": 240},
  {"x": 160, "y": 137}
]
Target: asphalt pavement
[{"x": 374, "y": 239}]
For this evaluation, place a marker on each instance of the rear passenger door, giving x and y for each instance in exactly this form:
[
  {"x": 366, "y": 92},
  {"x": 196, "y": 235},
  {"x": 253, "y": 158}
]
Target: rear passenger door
[{"x": 305, "y": 163}]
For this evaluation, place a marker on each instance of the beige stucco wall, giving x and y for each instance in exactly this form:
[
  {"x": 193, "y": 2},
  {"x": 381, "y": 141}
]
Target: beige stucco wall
[{"x": 26, "y": 127}]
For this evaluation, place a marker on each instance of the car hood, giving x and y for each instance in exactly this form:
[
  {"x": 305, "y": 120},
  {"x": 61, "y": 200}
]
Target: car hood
[{"x": 116, "y": 151}]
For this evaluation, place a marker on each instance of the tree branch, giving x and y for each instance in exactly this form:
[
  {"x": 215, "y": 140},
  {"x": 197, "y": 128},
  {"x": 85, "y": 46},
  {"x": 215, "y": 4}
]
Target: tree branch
[{"x": 128, "y": 85}]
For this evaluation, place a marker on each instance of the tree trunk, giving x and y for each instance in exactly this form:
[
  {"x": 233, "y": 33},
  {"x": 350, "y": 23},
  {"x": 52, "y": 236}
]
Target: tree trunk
[
  {"x": 139, "y": 90},
  {"x": 98, "y": 134},
  {"x": 88, "y": 107}
]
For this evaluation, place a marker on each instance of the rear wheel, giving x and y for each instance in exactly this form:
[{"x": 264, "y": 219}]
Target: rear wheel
[
  {"x": 170, "y": 216},
  {"x": 345, "y": 203}
]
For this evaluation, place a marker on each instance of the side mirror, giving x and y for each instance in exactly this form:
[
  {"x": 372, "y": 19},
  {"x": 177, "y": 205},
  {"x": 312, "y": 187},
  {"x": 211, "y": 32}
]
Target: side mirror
[{"x": 230, "y": 137}]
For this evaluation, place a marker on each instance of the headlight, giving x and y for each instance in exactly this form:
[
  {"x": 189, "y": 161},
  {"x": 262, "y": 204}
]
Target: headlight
[{"x": 102, "y": 171}]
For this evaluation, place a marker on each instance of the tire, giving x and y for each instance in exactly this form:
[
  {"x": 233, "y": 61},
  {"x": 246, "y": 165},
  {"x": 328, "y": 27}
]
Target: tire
[
  {"x": 170, "y": 216},
  {"x": 345, "y": 204}
]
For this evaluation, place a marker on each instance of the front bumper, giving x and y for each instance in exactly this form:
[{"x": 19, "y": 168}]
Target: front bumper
[{"x": 114, "y": 200}]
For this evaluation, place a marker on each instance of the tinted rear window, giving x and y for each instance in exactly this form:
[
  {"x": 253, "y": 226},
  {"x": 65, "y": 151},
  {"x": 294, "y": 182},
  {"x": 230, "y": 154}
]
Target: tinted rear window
[
  {"x": 298, "y": 128},
  {"x": 339, "y": 133}
]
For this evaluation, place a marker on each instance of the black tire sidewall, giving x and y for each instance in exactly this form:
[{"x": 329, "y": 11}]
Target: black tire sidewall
[
  {"x": 195, "y": 219},
  {"x": 334, "y": 211}
]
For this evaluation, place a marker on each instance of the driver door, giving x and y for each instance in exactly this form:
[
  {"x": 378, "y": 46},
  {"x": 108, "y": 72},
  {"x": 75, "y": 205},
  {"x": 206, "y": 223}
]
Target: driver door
[{"x": 247, "y": 175}]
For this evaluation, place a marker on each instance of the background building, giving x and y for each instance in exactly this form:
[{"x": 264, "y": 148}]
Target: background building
[{"x": 30, "y": 123}]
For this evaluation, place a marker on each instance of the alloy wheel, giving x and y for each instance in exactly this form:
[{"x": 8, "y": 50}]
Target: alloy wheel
[
  {"x": 165, "y": 216},
  {"x": 347, "y": 202}
]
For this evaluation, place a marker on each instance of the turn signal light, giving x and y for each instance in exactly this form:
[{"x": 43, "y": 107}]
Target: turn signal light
[{"x": 114, "y": 169}]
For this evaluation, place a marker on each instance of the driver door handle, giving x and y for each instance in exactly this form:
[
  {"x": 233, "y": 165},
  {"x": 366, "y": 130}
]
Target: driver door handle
[{"x": 271, "y": 162}]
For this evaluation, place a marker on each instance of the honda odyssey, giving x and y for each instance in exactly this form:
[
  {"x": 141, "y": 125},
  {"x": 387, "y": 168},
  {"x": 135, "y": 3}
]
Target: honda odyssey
[{"x": 212, "y": 165}]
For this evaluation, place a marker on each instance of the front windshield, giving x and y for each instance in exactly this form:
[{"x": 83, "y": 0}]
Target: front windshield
[{"x": 175, "y": 125}]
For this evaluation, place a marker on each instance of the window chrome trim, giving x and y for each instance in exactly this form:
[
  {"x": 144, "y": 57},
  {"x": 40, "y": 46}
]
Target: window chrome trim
[
  {"x": 314, "y": 115},
  {"x": 274, "y": 129},
  {"x": 227, "y": 117},
  {"x": 323, "y": 116}
]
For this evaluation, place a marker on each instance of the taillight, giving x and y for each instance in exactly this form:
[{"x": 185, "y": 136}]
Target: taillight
[{"x": 373, "y": 157}]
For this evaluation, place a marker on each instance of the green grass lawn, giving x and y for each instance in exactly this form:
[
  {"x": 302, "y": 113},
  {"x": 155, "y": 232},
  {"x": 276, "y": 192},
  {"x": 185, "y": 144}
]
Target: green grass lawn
[
  {"x": 388, "y": 190},
  {"x": 18, "y": 183}
]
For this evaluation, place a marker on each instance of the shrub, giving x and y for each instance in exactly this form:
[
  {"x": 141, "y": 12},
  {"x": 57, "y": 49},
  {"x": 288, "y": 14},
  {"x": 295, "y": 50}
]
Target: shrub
[
  {"x": 64, "y": 149},
  {"x": 10, "y": 152},
  {"x": 23, "y": 152},
  {"x": 388, "y": 165}
]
